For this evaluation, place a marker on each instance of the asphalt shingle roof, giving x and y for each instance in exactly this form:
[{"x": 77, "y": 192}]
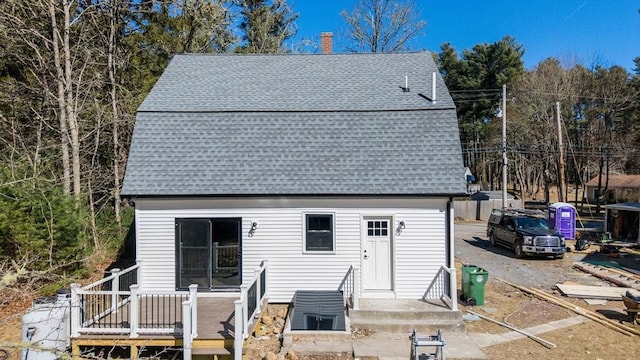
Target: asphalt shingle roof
[
  {"x": 284, "y": 125},
  {"x": 339, "y": 82}
]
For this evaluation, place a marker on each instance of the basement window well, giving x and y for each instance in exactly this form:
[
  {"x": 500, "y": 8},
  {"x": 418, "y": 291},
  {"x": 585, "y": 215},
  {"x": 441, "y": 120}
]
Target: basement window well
[{"x": 318, "y": 310}]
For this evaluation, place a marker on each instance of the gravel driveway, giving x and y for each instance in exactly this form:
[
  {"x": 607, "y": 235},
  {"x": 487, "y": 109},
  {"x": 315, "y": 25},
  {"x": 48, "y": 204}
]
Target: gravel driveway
[{"x": 473, "y": 247}]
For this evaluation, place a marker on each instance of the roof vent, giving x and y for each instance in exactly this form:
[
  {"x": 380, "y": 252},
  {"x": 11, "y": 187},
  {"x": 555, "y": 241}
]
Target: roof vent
[
  {"x": 405, "y": 88},
  {"x": 433, "y": 88},
  {"x": 318, "y": 310}
]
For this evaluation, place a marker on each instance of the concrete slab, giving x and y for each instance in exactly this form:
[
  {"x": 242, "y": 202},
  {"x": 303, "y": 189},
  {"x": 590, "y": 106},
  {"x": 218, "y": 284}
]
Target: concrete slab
[
  {"x": 322, "y": 347},
  {"x": 391, "y": 346}
]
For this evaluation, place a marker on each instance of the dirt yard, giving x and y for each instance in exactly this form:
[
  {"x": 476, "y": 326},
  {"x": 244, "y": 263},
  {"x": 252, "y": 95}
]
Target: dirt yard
[{"x": 589, "y": 340}]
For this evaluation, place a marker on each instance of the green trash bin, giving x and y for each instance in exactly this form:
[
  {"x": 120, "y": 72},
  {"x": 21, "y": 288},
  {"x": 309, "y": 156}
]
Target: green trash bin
[
  {"x": 477, "y": 281},
  {"x": 467, "y": 269}
]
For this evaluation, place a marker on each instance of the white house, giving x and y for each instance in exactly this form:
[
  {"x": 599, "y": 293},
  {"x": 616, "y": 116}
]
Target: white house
[{"x": 317, "y": 163}]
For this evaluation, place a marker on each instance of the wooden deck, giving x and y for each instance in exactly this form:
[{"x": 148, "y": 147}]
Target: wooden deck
[
  {"x": 216, "y": 318},
  {"x": 216, "y": 323}
]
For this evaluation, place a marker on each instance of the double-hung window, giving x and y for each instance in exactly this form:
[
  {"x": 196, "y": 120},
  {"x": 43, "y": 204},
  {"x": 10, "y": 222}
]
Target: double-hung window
[{"x": 319, "y": 233}]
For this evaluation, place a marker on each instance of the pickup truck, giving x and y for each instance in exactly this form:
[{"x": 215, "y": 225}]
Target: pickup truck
[{"x": 526, "y": 232}]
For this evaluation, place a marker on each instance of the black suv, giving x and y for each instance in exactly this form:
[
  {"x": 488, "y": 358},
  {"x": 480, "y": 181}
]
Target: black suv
[{"x": 526, "y": 232}]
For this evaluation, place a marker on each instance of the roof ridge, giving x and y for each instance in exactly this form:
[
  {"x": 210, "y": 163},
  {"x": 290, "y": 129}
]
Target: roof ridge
[
  {"x": 294, "y": 111},
  {"x": 304, "y": 54}
]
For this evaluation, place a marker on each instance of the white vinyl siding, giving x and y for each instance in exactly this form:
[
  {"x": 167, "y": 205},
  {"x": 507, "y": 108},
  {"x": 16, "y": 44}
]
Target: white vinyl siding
[{"x": 419, "y": 250}]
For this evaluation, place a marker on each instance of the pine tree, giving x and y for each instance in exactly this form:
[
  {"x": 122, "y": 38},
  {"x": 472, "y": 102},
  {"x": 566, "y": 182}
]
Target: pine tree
[{"x": 265, "y": 26}]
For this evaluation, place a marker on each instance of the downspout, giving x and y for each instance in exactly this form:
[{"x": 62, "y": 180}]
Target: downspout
[{"x": 451, "y": 264}]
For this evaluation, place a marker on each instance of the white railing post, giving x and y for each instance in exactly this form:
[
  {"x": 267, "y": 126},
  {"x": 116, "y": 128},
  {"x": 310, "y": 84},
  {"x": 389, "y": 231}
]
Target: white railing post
[
  {"x": 256, "y": 273},
  {"x": 186, "y": 329},
  {"x": 245, "y": 311},
  {"x": 133, "y": 311},
  {"x": 115, "y": 287},
  {"x": 452, "y": 289},
  {"x": 193, "y": 297},
  {"x": 356, "y": 287},
  {"x": 265, "y": 264},
  {"x": 139, "y": 270},
  {"x": 238, "y": 337},
  {"x": 76, "y": 311}
]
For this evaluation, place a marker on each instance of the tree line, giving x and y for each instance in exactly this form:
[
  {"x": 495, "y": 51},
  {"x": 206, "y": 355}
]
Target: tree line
[
  {"x": 73, "y": 72},
  {"x": 599, "y": 111}
]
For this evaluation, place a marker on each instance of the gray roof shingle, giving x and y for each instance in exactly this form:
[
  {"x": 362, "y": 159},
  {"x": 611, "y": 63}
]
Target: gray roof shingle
[
  {"x": 227, "y": 125},
  {"x": 339, "y": 82}
]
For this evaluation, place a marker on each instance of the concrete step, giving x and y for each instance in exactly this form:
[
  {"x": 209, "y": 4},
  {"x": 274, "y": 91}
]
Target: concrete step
[
  {"x": 405, "y": 317},
  {"x": 429, "y": 315},
  {"x": 405, "y": 326}
]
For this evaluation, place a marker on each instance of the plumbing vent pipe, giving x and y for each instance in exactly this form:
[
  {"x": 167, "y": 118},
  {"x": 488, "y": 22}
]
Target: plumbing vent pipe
[
  {"x": 433, "y": 87},
  {"x": 406, "y": 84}
]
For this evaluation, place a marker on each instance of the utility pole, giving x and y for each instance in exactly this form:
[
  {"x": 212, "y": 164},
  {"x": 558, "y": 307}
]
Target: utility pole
[
  {"x": 561, "y": 180},
  {"x": 504, "y": 146}
]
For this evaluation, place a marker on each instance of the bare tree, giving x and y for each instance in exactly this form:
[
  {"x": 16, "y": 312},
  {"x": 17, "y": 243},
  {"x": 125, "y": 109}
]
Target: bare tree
[
  {"x": 114, "y": 9},
  {"x": 382, "y": 25}
]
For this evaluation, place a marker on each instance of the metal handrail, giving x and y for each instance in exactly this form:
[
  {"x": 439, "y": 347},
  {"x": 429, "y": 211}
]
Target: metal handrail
[
  {"x": 443, "y": 287},
  {"x": 349, "y": 286}
]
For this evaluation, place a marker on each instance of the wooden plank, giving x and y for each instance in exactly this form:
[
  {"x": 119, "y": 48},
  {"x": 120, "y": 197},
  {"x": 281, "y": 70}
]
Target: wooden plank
[
  {"x": 611, "y": 276},
  {"x": 593, "y": 292},
  {"x": 626, "y": 273},
  {"x": 634, "y": 271}
]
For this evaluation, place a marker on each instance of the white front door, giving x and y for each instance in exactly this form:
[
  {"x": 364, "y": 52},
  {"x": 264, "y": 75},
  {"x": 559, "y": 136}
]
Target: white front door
[{"x": 376, "y": 255}]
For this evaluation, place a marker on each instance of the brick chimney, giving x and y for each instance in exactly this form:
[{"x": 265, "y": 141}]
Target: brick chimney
[{"x": 327, "y": 42}]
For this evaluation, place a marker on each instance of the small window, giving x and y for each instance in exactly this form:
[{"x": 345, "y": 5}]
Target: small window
[
  {"x": 319, "y": 234},
  {"x": 319, "y": 322},
  {"x": 377, "y": 228}
]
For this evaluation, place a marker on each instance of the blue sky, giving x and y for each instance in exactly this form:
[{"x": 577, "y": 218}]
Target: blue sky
[{"x": 590, "y": 32}]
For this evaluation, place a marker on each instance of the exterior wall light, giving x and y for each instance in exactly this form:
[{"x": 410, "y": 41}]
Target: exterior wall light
[
  {"x": 400, "y": 227},
  {"x": 254, "y": 226}
]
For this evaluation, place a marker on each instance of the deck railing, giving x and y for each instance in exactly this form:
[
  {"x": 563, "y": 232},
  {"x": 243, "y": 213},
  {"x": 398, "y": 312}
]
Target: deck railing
[
  {"x": 249, "y": 306},
  {"x": 350, "y": 287},
  {"x": 96, "y": 305},
  {"x": 443, "y": 287},
  {"x": 116, "y": 305}
]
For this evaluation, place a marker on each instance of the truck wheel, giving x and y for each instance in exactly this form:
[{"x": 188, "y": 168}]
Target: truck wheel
[
  {"x": 492, "y": 239},
  {"x": 517, "y": 249}
]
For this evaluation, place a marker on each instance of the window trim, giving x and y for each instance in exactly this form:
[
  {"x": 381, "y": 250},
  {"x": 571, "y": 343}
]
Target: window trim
[{"x": 304, "y": 233}]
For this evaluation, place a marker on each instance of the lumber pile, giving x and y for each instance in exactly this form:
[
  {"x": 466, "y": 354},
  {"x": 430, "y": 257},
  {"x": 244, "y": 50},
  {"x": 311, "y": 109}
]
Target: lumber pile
[
  {"x": 599, "y": 318},
  {"x": 592, "y": 292},
  {"x": 619, "y": 277}
]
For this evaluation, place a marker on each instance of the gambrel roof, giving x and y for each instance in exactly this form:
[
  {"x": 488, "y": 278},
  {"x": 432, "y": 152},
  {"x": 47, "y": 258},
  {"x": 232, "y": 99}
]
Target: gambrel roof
[{"x": 339, "y": 124}]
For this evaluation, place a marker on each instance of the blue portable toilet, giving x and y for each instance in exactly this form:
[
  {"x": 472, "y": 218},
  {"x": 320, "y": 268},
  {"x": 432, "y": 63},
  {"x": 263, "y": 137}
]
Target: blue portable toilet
[{"x": 562, "y": 217}]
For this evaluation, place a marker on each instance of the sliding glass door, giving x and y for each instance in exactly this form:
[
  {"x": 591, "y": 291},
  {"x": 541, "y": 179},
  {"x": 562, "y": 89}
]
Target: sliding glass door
[{"x": 208, "y": 253}]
